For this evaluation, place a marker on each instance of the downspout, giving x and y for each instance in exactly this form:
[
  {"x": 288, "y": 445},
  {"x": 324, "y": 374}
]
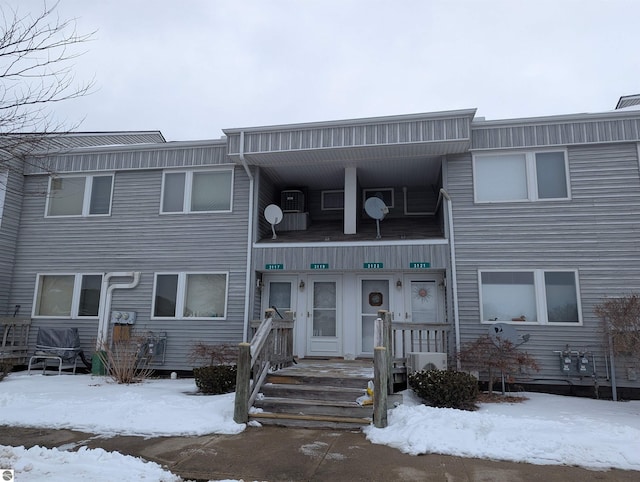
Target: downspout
[
  {"x": 249, "y": 277},
  {"x": 454, "y": 276},
  {"x": 106, "y": 294}
]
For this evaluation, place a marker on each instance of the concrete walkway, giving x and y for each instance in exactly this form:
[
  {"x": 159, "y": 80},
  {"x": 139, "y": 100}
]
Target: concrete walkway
[{"x": 284, "y": 454}]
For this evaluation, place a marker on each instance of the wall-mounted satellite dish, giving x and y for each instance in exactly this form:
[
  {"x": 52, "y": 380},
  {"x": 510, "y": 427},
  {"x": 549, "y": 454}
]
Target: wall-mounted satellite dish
[
  {"x": 273, "y": 215},
  {"x": 376, "y": 209},
  {"x": 501, "y": 332}
]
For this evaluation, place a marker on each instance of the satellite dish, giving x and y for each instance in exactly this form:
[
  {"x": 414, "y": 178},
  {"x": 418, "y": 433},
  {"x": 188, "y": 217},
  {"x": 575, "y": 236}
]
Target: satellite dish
[
  {"x": 273, "y": 215},
  {"x": 376, "y": 209},
  {"x": 501, "y": 332}
]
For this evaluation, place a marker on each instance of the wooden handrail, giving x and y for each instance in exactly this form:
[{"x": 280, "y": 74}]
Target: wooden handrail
[{"x": 270, "y": 347}]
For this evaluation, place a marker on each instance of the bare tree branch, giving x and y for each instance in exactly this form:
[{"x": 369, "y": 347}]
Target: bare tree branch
[{"x": 37, "y": 51}]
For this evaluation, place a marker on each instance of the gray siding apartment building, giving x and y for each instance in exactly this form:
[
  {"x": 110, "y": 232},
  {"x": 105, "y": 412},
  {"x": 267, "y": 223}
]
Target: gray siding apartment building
[{"x": 527, "y": 222}]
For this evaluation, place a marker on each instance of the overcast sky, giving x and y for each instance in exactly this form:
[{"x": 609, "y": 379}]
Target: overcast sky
[{"x": 190, "y": 68}]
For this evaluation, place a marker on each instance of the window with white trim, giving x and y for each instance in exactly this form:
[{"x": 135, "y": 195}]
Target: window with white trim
[
  {"x": 67, "y": 295},
  {"x": 80, "y": 195},
  {"x": 190, "y": 295},
  {"x": 520, "y": 176},
  {"x": 332, "y": 200},
  {"x": 197, "y": 191},
  {"x": 536, "y": 296}
]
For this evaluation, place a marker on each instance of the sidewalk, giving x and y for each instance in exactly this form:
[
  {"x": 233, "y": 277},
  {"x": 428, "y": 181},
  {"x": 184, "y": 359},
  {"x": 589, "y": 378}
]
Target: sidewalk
[{"x": 285, "y": 454}]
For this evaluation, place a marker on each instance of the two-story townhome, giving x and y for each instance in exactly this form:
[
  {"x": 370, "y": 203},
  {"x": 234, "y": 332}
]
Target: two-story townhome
[
  {"x": 449, "y": 222},
  {"x": 153, "y": 228}
]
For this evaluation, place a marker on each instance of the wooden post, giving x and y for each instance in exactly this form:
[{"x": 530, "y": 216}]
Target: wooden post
[
  {"x": 380, "y": 376},
  {"x": 387, "y": 338},
  {"x": 243, "y": 384}
]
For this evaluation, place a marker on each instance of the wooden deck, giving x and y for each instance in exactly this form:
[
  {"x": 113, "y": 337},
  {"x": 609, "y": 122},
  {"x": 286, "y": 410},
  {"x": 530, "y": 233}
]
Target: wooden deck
[{"x": 335, "y": 368}]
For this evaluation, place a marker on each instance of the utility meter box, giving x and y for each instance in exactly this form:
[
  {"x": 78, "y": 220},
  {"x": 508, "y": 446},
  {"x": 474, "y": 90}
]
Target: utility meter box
[{"x": 123, "y": 317}]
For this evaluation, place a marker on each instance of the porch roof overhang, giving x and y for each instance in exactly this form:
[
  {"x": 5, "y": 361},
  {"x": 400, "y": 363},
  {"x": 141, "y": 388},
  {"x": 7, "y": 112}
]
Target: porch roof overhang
[
  {"x": 353, "y": 142},
  {"x": 398, "y": 150}
]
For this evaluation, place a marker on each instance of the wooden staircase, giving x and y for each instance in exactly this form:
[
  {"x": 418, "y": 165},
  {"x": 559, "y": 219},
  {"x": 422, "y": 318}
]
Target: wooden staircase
[{"x": 315, "y": 394}]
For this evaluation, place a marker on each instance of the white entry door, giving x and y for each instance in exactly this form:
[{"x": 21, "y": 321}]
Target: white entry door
[
  {"x": 375, "y": 296},
  {"x": 424, "y": 299},
  {"x": 324, "y": 320},
  {"x": 279, "y": 293}
]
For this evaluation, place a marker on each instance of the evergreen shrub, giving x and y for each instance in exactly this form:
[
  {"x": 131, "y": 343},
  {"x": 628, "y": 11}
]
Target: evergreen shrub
[
  {"x": 445, "y": 388},
  {"x": 215, "y": 379}
]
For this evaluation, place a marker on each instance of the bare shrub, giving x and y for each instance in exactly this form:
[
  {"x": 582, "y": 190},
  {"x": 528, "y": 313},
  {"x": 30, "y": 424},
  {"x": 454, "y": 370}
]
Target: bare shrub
[
  {"x": 205, "y": 354},
  {"x": 127, "y": 361},
  {"x": 502, "y": 357},
  {"x": 620, "y": 319}
]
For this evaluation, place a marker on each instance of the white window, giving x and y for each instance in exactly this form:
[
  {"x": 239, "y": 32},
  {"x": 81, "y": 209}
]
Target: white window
[
  {"x": 80, "y": 195},
  {"x": 4, "y": 177},
  {"x": 332, "y": 200},
  {"x": 385, "y": 193},
  {"x": 190, "y": 295},
  {"x": 529, "y": 296},
  {"x": 197, "y": 191},
  {"x": 67, "y": 295},
  {"x": 521, "y": 176}
]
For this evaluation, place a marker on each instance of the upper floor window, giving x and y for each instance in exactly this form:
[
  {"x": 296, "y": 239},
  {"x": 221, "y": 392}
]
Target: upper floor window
[
  {"x": 520, "y": 176},
  {"x": 80, "y": 195},
  {"x": 190, "y": 295},
  {"x": 538, "y": 296},
  {"x": 197, "y": 191},
  {"x": 67, "y": 295}
]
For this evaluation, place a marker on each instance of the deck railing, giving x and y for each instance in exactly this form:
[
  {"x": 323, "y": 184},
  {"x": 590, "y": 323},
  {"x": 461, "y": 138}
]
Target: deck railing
[
  {"x": 392, "y": 344},
  {"x": 271, "y": 348},
  {"x": 14, "y": 348}
]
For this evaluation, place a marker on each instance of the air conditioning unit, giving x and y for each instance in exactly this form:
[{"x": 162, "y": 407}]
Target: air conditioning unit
[
  {"x": 418, "y": 361},
  {"x": 292, "y": 201}
]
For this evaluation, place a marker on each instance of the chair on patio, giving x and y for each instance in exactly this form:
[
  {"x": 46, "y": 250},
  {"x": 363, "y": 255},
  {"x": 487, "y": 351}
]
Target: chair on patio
[{"x": 56, "y": 345}]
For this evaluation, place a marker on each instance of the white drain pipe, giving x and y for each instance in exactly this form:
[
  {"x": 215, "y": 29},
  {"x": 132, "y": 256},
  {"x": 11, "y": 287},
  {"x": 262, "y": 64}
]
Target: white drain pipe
[
  {"x": 106, "y": 293},
  {"x": 454, "y": 276}
]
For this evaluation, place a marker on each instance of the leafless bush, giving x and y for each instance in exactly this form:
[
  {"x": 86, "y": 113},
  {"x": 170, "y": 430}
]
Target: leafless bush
[
  {"x": 620, "y": 319},
  {"x": 213, "y": 354},
  {"x": 498, "y": 358},
  {"x": 127, "y": 361}
]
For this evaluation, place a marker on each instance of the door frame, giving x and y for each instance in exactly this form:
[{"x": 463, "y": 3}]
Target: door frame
[
  {"x": 392, "y": 304},
  {"x": 313, "y": 344},
  {"x": 438, "y": 278}
]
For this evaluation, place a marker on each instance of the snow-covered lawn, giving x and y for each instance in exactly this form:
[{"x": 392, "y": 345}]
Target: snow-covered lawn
[{"x": 545, "y": 429}]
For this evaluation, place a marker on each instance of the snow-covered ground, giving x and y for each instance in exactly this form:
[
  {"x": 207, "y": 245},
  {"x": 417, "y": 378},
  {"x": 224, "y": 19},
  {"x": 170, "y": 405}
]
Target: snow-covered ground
[{"x": 545, "y": 429}]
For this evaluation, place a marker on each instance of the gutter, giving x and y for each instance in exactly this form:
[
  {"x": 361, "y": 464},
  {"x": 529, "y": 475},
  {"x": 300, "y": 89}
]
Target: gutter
[
  {"x": 454, "y": 276},
  {"x": 106, "y": 293},
  {"x": 249, "y": 276}
]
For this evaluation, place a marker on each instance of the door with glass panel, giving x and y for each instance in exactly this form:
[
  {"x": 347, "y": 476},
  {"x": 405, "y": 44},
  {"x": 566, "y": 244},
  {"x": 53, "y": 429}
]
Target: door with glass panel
[
  {"x": 424, "y": 299},
  {"x": 374, "y": 296},
  {"x": 279, "y": 294},
  {"x": 324, "y": 333}
]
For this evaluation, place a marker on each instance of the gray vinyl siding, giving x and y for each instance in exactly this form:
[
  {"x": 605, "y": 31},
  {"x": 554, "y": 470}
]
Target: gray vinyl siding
[
  {"x": 148, "y": 157},
  {"x": 9, "y": 225},
  {"x": 595, "y": 233},
  {"x": 555, "y": 132},
  {"x": 420, "y": 128},
  {"x": 137, "y": 238},
  {"x": 352, "y": 258}
]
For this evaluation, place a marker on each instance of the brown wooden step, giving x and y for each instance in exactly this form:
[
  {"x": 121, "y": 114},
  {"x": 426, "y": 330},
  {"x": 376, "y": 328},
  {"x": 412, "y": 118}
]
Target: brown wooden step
[
  {"x": 310, "y": 421},
  {"x": 314, "y": 407},
  {"x": 312, "y": 392}
]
